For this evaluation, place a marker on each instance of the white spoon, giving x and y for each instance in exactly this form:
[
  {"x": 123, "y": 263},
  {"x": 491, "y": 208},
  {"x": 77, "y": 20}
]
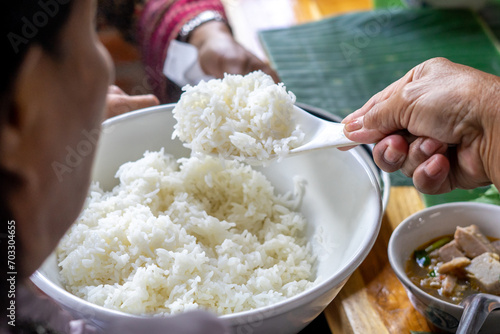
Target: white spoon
[{"x": 319, "y": 134}]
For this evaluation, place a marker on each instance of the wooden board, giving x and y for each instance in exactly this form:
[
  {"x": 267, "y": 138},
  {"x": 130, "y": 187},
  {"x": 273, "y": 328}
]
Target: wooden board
[{"x": 373, "y": 300}]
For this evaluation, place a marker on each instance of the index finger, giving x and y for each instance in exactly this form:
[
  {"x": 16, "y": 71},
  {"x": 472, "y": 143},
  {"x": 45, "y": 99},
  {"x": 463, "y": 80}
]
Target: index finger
[
  {"x": 387, "y": 99},
  {"x": 381, "y": 96}
]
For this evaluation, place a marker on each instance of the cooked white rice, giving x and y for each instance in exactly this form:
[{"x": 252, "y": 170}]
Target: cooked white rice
[
  {"x": 238, "y": 117},
  {"x": 198, "y": 233}
]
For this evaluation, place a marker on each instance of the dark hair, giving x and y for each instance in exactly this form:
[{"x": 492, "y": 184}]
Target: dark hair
[{"x": 23, "y": 23}]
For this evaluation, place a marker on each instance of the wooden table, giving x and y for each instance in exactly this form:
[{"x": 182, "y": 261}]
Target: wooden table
[{"x": 373, "y": 300}]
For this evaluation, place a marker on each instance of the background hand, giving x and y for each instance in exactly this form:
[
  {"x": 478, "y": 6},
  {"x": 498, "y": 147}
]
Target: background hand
[
  {"x": 118, "y": 102},
  {"x": 219, "y": 52}
]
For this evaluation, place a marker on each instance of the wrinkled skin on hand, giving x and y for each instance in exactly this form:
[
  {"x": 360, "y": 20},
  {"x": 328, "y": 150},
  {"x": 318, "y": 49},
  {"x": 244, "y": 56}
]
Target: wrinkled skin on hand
[
  {"x": 439, "y": 124},
  {"x": 219, "y": 52}
]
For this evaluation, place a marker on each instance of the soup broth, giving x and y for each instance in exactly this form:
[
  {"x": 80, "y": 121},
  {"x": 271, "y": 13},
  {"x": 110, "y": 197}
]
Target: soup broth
[{"x": 446, "y": 268}]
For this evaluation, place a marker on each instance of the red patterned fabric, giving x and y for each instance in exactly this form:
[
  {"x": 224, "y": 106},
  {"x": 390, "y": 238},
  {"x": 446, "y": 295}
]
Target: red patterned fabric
[{"x": 160, "y": 21}]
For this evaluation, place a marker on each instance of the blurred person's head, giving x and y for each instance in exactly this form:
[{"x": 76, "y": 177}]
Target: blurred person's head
[{"x": 52, "y": 94}]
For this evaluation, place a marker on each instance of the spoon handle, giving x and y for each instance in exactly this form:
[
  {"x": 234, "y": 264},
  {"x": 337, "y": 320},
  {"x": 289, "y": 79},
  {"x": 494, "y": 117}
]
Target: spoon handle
[
  {"x": 329, "y": 134},
  {"x": 475, "y": 312}
]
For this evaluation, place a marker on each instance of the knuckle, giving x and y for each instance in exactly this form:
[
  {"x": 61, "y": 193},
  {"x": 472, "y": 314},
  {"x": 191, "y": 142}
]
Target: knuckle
[{"x": 437, "y": 61}]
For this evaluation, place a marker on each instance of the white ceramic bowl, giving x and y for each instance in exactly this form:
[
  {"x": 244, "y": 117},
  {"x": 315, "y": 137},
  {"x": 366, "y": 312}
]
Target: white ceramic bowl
[
  {"x": 366, "y": 152},
  {"x": 342, "y": 205},
  {"x": 421, "y": 228}
]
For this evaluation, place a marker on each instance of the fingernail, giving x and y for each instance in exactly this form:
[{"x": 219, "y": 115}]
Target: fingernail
[
  {"x": 429, "y": 146},
  {"x": 432, "y": 168},
  {"x": 392, "y": 156},
  {"x": 354, "y": 125}
]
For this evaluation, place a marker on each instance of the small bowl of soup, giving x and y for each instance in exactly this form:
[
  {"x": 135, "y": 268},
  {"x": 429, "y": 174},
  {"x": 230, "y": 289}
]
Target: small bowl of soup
[{"x": 444, "y": 253}]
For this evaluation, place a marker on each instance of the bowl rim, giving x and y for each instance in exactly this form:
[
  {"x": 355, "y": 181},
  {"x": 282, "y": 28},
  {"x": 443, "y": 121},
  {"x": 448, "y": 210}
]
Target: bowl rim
[
  {"x": 288, "y": 304},
  {"x": 398, "y": 268},
  {"x": 385, "y": 178}
]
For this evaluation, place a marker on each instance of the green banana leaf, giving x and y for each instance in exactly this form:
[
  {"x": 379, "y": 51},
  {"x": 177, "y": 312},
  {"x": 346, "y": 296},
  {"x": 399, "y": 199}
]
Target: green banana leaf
[
  {"x": 338, "y": 63},
  {"x": 488, "y": 194},
  {"x": 490, "y": 13}
]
